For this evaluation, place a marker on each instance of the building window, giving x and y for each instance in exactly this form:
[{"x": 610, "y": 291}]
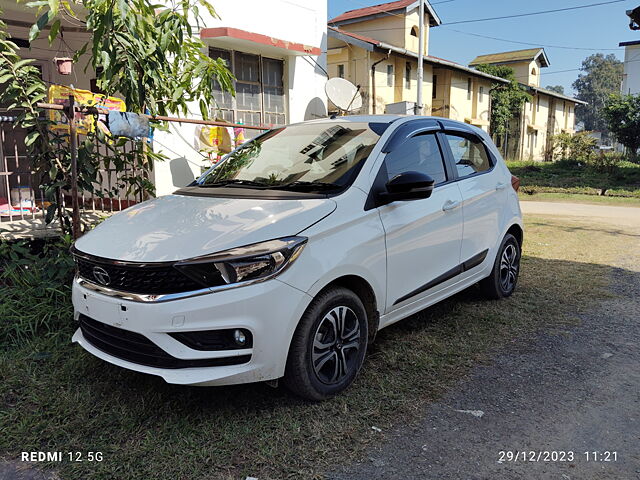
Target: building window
[
  {"x": 481, "y": 94},
  {"x": 407, "y": 75},
  {"x": 535, "y": 139},
  {"x": 389, "y": 75},
  {"x": 538, "y": 104},
  {"x": 533, "y": 71},
  {"x": 341, "y": 70},
  {"x": 414, "y": 31},
  {"x": 469, "y": 88},
  {"x": 434, "y": 92},
  {"x": 259, "y": 84}
]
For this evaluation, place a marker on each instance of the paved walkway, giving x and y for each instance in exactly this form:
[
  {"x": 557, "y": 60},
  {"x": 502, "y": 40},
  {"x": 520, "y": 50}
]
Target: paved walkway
[{"x": 622, "y": 216}]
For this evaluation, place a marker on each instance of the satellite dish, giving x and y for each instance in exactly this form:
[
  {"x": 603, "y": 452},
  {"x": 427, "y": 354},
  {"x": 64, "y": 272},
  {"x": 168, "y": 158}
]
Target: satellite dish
[{"x": 343, "y": 94}]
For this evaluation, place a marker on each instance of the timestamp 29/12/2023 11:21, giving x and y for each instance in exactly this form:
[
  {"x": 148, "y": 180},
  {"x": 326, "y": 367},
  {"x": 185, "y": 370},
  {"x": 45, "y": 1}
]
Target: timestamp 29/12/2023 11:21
[{"x": 506, "y": 456}]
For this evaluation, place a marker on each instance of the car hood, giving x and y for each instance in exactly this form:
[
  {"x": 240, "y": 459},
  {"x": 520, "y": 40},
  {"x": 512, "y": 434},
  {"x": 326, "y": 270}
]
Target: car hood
[{"x": 176, "y": 227}]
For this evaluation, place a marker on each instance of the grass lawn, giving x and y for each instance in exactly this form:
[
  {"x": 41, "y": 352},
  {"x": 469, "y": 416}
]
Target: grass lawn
[
  {"x": 56, "y": 397},
  {"x": 567, "y": 177}
]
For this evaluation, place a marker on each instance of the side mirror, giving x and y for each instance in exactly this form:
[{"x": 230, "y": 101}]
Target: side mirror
[{"x": 408, "y": 186}]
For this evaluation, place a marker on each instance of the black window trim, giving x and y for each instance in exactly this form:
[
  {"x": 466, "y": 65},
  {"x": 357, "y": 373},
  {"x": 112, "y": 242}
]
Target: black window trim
[{"x": 440, "y": 129}]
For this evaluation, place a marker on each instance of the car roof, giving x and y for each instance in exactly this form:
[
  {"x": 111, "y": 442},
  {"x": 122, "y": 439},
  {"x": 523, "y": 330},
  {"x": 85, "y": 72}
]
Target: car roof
[{"x": 445, "y": 122}]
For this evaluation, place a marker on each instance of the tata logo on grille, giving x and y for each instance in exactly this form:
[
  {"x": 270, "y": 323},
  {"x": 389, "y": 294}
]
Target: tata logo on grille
[{"x": 101, "y": 276}]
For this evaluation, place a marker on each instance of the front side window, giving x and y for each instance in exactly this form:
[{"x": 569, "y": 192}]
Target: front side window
[
  {"x": 417, "y": 154},
  {"x": 312, "y": 157},
  {"x": 469, "y": 154}
]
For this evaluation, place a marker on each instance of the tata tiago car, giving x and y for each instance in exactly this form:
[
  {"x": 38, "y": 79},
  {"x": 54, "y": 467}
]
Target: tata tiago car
[{"x": 284, "y": 259}]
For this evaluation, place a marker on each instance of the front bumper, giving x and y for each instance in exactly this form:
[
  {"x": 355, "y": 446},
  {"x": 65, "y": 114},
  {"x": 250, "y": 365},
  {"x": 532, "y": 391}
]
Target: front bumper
[{"x": 270, "y": 310}]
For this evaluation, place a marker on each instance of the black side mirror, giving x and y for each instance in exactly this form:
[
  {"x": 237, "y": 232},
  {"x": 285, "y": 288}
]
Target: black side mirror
[{"x": 407, "y": 186}]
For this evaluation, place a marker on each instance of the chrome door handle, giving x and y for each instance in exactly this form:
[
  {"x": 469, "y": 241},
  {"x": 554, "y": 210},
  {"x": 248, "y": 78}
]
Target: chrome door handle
[
  {"x": 450, "y": 205},
  {"x": 501, "y": 186}
]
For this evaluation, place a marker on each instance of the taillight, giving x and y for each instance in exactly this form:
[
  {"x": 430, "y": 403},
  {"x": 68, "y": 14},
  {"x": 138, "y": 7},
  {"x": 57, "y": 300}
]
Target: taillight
[{"x": 515, "y": 182}]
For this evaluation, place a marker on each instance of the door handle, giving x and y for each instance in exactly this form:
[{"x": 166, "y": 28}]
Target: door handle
[
  {"x": 450, "y": 205},
  {"x": 501, "y": 186}
]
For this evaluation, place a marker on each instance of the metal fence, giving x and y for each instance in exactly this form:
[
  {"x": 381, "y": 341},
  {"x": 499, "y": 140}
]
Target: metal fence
[{"x": 21, "y": 196}]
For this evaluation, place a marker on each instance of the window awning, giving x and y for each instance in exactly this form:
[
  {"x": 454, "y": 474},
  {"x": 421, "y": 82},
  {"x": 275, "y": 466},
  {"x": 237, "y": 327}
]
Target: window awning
[{"x": 236, "y": 39}]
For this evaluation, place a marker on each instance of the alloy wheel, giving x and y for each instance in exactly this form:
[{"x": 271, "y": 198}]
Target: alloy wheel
[
  {"x": 336, "y": 343},
  {"x": 509, "y": 267}
]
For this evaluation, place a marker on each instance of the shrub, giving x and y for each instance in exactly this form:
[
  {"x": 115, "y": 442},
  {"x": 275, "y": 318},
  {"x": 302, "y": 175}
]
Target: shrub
[
  {"x": 608, "y": 162},
  {"x": 577, "y": 147},
  {"x": 35, "y": 291}
]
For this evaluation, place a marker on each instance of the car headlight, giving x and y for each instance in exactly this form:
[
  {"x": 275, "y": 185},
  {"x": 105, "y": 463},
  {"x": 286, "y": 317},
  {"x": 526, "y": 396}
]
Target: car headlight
[{"x": 252, "y": 263}]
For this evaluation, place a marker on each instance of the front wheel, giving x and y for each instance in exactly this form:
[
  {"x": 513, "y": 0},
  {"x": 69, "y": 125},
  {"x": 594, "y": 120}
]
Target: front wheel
[
  {"x": 504, "y": 276},
  {"x": 329, "y": 345}
]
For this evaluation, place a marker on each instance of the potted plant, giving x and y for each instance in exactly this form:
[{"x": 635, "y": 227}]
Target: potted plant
[{"x": 64, "y": 65}]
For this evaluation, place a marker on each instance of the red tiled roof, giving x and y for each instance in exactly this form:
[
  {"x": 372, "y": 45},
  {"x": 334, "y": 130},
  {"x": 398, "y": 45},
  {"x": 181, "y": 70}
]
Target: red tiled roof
[
  {"x": 373, "y": 10},
  {"x": 357, "y": 36}
]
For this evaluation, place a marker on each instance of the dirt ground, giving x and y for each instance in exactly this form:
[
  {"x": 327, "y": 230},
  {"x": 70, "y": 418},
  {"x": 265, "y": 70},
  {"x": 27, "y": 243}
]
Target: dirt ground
[{"x": 570, "y": 392}]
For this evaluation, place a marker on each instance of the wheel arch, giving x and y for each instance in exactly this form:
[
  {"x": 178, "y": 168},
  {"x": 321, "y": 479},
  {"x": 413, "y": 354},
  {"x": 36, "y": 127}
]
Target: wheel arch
[
  {"x": 517, "y": 231},
  {"x": 365, "y": 292}
]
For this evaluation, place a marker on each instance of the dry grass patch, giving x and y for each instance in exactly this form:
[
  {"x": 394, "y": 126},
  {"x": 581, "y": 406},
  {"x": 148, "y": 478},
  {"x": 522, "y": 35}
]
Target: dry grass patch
[{"x": 147, "y": 429}]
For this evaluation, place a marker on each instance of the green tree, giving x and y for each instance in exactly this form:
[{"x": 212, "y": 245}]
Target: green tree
[
  {"x": 556, "y": 88},
  {"x": 602, "y": 76},
  {"x": 146, "y": 53},
  {"x": 622, "y": 115},
  {"x": 142, "y": 51},
  {"x": 506, "y": 99}
]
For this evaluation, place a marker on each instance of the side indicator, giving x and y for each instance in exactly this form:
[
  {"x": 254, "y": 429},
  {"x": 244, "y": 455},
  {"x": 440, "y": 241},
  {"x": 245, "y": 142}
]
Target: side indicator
[{"x": 515, "y": 182}]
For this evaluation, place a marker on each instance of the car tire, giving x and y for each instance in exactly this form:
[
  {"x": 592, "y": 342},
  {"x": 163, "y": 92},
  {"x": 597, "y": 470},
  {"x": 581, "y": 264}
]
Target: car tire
[
  {"x": 328, "y": 346},
  {"x": 504, "y": 275}
]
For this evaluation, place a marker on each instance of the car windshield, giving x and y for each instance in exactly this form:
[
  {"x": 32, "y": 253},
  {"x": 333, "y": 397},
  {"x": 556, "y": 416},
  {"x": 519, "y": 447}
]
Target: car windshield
[{"x": 313, "y": 156}]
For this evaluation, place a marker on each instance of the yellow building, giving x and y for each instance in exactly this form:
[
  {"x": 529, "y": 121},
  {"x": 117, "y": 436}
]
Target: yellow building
[
  {"x": 377, "y": 49},
  {"x": 548, "y": 113}
]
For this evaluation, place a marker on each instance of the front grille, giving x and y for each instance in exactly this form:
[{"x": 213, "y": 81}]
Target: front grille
[
  {"x": 145, "y": 279},
  {"x": 136, "y": 348}
]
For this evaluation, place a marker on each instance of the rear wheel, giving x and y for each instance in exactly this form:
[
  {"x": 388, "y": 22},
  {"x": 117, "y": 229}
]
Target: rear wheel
[
  {"x": 329, "y": 345},
  {"x": 504, "y": 276}
]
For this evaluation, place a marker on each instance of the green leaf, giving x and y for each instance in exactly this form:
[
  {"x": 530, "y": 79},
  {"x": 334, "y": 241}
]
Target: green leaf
[
  {"x": 53, "y": 33},
  {"x": 54, "y": 5},
  {"x": 39, "y": 26},
  {"x": 31, "y": 137}
]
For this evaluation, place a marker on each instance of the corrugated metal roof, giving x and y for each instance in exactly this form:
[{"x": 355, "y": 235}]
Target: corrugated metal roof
[
  {"x": 551, "y": 93},
  {"x": 513, "y": 56},
  {"x": 383, "y": 8},
  {"x": 381, "y": 46}
]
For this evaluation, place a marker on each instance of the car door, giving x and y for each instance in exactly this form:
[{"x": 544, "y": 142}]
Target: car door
[
  {"x": 482, "y": 195},
  {"x": 423, "y": 236}
]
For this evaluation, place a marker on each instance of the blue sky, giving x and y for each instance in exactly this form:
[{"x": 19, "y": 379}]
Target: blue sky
[{"x": 597, "y": 28}]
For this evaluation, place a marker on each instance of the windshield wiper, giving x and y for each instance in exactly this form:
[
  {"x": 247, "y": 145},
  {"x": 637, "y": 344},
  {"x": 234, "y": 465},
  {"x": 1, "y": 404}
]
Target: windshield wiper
[
  {"x": 234, "y": 181},
  {"x": 303, "y": 185}
]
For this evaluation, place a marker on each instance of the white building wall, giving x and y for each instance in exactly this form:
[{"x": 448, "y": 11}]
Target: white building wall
[
  {"x": 296, "y": 21},
  {"x": 631, "y": 78}
]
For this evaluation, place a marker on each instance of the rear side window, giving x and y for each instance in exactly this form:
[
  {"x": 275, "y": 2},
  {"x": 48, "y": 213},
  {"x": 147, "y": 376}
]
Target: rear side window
[
  {"x": 417, "y": 154},
  {"x": 469, "y": 155}
]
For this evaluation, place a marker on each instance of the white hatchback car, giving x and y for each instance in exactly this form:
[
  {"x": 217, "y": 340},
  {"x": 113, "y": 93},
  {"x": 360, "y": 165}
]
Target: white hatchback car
[{"x": 286, "y": 258}]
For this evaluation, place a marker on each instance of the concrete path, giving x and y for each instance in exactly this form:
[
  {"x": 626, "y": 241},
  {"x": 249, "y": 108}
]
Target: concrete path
[
  {"x": 568, "y": 393},
  {"x": 623, "y": 216}
]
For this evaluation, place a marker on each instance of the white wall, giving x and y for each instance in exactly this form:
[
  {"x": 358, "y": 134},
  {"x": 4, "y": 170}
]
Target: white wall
[
  {"x": 298, "y": 21},
  {"x": 631, "y": 78}
]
